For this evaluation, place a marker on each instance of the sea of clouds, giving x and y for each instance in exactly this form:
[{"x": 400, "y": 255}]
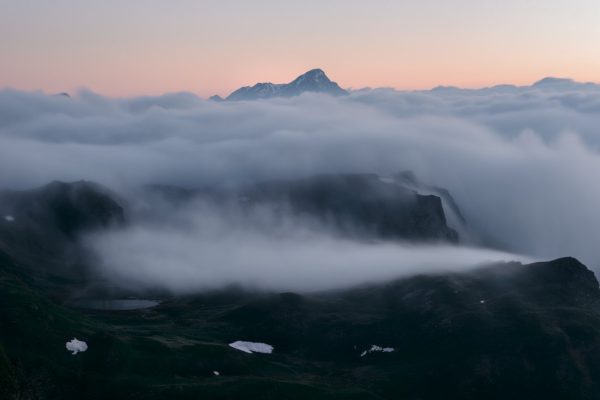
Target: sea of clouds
[{"x": 521, "y": 162}]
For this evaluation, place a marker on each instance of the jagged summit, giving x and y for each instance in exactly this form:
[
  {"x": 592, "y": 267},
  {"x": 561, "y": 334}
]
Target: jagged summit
[
  {"x": 314, "y": 80},
  {"x": 314, "y": 75}
]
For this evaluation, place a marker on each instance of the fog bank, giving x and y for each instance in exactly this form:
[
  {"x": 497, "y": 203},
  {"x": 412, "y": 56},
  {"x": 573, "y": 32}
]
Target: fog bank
[
  {"x": 201, "y": 249},
  {"x": 522, "y": 164}
]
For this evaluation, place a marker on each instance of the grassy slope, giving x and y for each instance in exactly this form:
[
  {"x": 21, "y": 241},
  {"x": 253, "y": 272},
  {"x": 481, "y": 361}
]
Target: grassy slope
[
  {"x": 536, "y": 335},
  {"x": 139, "y": 354}
]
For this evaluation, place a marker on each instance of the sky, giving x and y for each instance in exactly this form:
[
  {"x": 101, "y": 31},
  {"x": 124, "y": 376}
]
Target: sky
[{"x": 135, "y": 47}]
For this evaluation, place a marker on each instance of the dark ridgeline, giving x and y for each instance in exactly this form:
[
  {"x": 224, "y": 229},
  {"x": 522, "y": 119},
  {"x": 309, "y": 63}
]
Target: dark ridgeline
[
  {"x": 360, "y": 204},
  {"x": 356, "y": 205}
]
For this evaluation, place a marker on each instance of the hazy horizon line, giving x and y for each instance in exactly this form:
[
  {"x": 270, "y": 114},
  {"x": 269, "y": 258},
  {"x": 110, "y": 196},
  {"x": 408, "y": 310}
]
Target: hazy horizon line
[{"x": 84, "y": 88}]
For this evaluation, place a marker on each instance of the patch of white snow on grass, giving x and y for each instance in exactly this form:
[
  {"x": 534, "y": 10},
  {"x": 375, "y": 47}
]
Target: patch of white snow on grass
[
  {"x": 252, "y": 347},
  {"x": 379, "y": 349},
  {"x": 76, "y": 346}
]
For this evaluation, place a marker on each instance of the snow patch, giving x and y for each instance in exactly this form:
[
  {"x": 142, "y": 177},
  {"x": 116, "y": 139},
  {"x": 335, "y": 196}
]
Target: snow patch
[
  {"x": 375, "y": 348},
  {"x": 76, "y": 346},
  {"x": 252, "y": 347},
  {"x": 9, "y": 218}
]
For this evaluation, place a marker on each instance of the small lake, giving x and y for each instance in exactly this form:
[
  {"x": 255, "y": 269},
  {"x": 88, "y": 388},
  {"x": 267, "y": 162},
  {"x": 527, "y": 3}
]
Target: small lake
[{"x": 115, "y": 304}]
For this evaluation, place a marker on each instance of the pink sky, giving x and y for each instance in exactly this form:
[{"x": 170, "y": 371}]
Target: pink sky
[{"x": 206, "y": 47}]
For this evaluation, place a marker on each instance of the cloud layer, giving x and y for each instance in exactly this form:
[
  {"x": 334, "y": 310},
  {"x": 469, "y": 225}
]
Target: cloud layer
[
  {"x": 522, "y": 163},
  {"x": 201, "y": 247}
]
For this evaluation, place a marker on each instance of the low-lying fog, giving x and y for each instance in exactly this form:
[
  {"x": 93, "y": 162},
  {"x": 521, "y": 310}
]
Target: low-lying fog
[
  {"x": 202, "y": 247},
  {"x": 522, "y": 164}
]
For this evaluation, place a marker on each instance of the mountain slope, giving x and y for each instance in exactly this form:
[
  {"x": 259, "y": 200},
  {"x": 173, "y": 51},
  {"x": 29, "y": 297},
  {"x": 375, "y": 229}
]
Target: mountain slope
[
  {"x": 41, "y": 227},
  {"x": 501, "y": 331},
  {"x": 315, "y": 81},
  {"x": 360, "y": 204},
  {"x": 509, "y": 330},
  {"x": 357, "y": 205}
]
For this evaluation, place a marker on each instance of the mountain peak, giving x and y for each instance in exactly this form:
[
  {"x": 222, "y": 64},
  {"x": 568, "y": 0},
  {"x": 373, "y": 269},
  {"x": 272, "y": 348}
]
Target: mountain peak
[
  {"x": 314, "y": 74},
  {"x": 315, "y": 71},
  {"x": 315, "y": 81},
  {"x": 551, "y": 80}
]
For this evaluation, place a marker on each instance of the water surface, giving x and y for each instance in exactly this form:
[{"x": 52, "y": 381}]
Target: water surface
[{"x": 115, "y": 304}]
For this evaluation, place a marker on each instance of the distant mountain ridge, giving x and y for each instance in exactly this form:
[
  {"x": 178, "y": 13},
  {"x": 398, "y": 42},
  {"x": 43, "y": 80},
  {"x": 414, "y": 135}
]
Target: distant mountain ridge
[
  {"x": 315, "y": 81},
  {"x": 547, "y": 83}
]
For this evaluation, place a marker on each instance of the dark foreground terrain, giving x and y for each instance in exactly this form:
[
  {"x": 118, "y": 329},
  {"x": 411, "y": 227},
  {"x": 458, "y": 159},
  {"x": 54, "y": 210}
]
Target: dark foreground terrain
[{"x": 502, "y": 331}]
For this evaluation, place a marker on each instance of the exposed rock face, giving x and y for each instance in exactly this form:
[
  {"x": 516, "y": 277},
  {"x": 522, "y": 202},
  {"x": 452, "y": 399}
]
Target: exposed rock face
[
  {"x": 363, "y": 205},
  {"x": 360, "y": 204},
  {"x": 312, "y": 81}
]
